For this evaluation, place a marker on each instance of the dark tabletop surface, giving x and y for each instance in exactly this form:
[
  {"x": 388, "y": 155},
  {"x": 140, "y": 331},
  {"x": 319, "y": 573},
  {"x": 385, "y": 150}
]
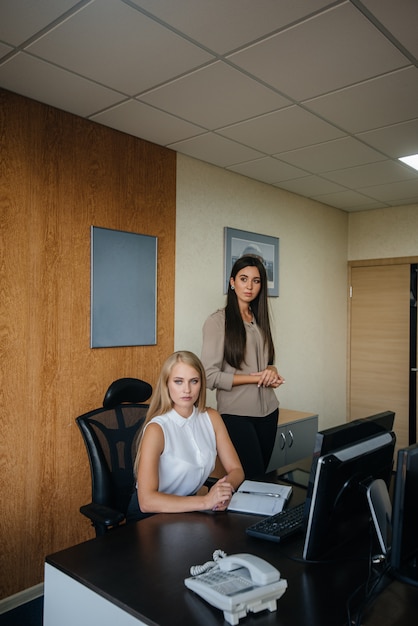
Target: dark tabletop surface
[{"x": 141, "y": 568}]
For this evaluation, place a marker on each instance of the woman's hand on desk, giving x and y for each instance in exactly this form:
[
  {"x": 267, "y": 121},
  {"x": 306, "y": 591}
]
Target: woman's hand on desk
[{"x": 219, "y": 496}]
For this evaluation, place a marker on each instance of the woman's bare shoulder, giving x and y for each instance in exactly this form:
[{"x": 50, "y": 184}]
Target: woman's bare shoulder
[{"x": 213, "y": 414}]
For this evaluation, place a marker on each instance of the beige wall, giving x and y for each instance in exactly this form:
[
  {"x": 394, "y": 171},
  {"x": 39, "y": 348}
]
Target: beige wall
[
  {"x": 310, "y": 314},
  {"x": 383, "y": 233}
]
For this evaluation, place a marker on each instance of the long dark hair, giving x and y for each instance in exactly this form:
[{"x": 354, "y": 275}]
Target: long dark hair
[{"x": 235, "y": 336}]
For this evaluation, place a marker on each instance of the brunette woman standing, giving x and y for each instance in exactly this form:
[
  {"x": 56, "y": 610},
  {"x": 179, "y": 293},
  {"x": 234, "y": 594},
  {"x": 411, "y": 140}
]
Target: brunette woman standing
[{"x": 238, "y": 356}]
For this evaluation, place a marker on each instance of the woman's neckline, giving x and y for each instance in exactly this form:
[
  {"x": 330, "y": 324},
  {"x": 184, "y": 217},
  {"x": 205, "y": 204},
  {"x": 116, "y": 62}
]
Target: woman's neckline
[
  {"x": 249, "y": 321},
  {"x": 248, "y": 318}
]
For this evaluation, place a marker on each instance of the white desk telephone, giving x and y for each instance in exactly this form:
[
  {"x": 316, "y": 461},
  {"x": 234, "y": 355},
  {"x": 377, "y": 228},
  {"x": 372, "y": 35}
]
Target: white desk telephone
[{"x": 237, "y": 584}]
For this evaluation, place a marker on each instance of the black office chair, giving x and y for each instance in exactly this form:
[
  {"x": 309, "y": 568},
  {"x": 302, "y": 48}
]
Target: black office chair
[
  {"x": 127, "y": 390},
  {"x": 110, "y": 435}
]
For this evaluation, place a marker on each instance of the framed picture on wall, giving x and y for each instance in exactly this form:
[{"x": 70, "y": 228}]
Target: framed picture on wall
[
  {"x": 240, "y": 242},
  {"x": 123, "y": 288}
]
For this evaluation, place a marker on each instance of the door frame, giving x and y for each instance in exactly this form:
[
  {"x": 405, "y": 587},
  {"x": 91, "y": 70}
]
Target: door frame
[{"x": 409, "y": 260}]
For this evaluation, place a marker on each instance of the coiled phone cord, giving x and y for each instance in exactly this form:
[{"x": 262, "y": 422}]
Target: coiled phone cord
[{"x": 195, "y": 570}]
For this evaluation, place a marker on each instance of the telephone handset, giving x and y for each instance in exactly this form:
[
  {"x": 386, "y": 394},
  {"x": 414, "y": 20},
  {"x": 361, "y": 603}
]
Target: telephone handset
[{"x": 238, "y": 584}]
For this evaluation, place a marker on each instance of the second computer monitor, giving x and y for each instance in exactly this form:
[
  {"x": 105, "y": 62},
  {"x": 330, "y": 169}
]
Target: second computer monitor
[
  {"x": 404, "y": 552},
  {"x": 338, "y": 509},
  {"x": 333, "y": 438}
]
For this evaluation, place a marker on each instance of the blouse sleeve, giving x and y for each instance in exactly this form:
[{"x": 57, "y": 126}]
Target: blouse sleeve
[{"x": 213, "y": 353}]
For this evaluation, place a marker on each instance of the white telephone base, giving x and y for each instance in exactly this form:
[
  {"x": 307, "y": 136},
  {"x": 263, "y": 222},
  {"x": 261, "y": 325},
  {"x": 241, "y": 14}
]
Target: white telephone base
[
  {"x": 233, "y": 617},
  {"x": 239, "y": 584}
]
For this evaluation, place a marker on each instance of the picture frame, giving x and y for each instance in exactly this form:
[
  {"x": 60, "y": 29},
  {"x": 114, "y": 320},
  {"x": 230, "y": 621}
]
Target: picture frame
[
  {"x": 238, "y": 242},
  {"x": 123, "y": 288}
]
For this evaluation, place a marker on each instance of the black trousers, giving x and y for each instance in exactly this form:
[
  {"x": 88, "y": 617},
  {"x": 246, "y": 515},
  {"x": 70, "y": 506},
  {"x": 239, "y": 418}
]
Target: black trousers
[{"x": 253, "y": 439}]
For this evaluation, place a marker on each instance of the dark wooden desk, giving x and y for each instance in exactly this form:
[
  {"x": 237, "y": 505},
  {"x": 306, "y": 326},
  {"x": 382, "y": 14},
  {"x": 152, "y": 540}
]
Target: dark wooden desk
[{"x": 140, "y": 569}]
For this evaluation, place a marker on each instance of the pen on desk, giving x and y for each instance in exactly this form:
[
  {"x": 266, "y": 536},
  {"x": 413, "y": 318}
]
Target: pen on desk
[{"x": 262, "y": 493}]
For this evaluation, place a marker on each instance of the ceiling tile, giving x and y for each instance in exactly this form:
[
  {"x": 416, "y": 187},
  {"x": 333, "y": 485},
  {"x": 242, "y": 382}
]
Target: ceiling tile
[
  {"x": 141, "y": 120},
  {"x": 47, "y": 83},
  {"x": 215, "y": 149},
  {"x": 396, "y": 140},
  {"x": 4, "y": 50},
  {"x": 304, "y": 61},
  {"x": 372, "y": 174},
  {"x": 378, "y": 102},
  {"x": 400, "y": 18},
  {"x": 224, "y": 26},
  {"x": 215, "y": 96},
  {"x": 20, "y": 19},
  {"x": 310, "y": 186},
  {"x": 332, "y": 155},
  {"x": 349, "y": 201},
  {"x": 119, "y": 47},
  {"x": 282, "y": 130},
  {"x": 405, "y": 192},
  {"x": 268, "y": 170}
]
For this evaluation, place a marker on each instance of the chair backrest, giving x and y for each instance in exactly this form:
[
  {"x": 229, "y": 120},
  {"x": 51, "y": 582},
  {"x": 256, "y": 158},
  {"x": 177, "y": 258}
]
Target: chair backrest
[
  {"x": 110, "y": 436},
  {"x": 127, "y": 390}
]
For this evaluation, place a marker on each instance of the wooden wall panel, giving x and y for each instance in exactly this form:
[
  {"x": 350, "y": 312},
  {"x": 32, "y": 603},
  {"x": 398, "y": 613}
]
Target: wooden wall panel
[{"x": 60, "y": 174}]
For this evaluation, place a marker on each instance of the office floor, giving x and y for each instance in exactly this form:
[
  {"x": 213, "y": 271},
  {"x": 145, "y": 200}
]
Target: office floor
[{"x": 29, "y": 614}]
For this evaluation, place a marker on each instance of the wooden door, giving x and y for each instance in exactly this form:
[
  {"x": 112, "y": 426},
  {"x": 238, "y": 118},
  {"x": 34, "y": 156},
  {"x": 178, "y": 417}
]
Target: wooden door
[{"x": 380, "y": 343}]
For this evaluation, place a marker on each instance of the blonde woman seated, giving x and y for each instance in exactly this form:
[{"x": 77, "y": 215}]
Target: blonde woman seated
[{"x": 179, "y": 444}]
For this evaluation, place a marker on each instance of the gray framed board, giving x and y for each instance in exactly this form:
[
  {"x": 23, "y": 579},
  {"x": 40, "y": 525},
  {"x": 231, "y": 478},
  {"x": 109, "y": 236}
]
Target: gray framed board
[{"x": 123, "y": 288}]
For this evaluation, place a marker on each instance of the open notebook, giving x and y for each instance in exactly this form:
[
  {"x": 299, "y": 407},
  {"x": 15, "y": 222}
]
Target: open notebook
[{"x": 260, "y": 498}]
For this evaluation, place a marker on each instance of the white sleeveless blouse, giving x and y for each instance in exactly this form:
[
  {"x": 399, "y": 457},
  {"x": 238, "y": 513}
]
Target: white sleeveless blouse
[{"x": 189, "y": 453}]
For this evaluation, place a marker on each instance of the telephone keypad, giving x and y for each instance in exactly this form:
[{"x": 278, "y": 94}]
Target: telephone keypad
[{"x": 224, "y": 583}]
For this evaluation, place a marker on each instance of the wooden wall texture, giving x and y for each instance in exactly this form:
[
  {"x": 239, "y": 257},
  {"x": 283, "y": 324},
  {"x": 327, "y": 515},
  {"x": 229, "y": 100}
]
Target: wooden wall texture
[{"x": 60, "y": 174}]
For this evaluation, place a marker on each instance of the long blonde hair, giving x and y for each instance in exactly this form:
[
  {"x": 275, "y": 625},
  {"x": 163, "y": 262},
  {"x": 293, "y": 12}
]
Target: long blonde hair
[{"x": 161, "y": 401}]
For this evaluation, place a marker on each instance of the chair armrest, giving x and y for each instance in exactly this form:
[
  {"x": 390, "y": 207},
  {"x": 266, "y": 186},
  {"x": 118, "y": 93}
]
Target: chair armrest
[{"x": 100, "y": 514}]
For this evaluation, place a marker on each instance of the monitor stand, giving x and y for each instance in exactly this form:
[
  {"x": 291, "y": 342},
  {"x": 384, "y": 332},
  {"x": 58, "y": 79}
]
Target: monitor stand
[{"x": 381, "y": 512}]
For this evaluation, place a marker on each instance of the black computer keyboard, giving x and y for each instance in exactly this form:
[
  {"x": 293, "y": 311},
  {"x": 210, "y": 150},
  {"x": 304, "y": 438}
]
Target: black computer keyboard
[{"x": 278, "y": 527}]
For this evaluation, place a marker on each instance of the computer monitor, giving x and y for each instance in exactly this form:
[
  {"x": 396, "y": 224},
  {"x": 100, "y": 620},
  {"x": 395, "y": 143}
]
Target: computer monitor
[
  {"x": 338, "y": 509},
  {"x": 333, "y": 438},
  {"x": 350, "y": 432},
  {"x": 404, "y": 551}
]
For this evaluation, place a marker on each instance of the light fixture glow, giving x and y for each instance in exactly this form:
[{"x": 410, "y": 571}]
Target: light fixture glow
[{"x": 411, "y": 160}]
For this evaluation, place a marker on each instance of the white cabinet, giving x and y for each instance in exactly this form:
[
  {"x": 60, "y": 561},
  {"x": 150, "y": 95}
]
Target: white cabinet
[
  {"x": 68, "y": 601},
  {"x": 295, "y": 438}
]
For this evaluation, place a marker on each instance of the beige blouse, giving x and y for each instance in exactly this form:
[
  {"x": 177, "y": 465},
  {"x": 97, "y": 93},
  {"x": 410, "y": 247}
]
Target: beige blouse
[{"x": 242, "y": 399}]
